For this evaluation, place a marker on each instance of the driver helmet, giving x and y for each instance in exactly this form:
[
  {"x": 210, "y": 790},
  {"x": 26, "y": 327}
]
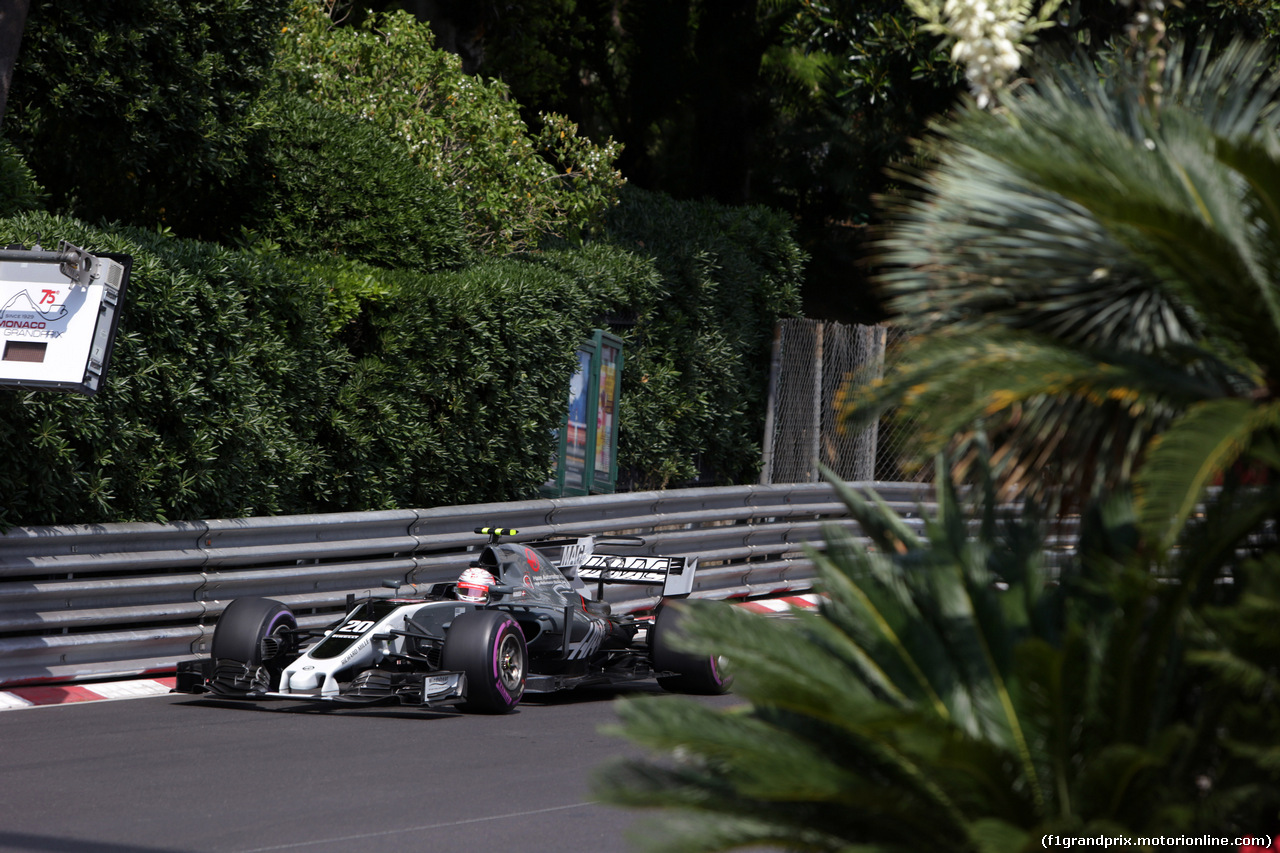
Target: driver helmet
[{"x": 473, "y": 585}]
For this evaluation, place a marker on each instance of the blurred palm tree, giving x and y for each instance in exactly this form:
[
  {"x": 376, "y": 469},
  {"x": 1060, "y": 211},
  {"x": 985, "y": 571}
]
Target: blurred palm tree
[
  {"x": 949, "y": 696},
  {"x": 1092, "y": 275}
]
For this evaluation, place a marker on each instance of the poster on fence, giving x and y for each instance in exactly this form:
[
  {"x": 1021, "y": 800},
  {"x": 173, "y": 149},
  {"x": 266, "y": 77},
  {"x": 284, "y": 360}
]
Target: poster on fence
[
  {"x": 609, "y": 380},
  {"x": 575, "y": 428},
  {"x": 587, "y": 441}
]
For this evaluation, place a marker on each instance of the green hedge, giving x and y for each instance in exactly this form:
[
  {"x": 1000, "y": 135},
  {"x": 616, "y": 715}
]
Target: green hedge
[
  {"x": 694, "y": 396},
  {"x": 338, "y": 185},
  {"x": 246, "y": 382},
  {"x": 19, "y": 189},
  {"x": 218, "y": 387},
  {"x": 471, "y": 376},
  {"x": 143, "y": 110}
]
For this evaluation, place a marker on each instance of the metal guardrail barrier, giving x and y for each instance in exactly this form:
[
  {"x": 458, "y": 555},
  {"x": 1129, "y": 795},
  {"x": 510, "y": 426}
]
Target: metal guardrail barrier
[{"x": 94, "y": 601}]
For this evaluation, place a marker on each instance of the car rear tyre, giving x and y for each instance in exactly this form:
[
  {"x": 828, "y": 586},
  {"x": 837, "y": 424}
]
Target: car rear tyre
[
  {"x": 243, "y": 626},
  {"x": 489, "y": 647},
  {"x": 687, "y": 672}
]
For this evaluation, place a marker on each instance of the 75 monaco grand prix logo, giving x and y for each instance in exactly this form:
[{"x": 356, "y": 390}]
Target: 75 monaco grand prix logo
[{"x": 26, "y": 316}]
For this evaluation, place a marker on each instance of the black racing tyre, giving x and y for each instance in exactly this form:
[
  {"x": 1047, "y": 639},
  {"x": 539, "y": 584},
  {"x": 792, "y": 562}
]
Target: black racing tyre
[
  {"x": 242, "y": 626},
  {"x": 489, "y": 647},
  {"x": 690, "y": 673}
]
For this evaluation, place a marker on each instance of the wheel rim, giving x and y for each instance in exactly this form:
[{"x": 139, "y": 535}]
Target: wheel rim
[
  {"x": 716, "y": 664},
  {"x": 510, "y": 662}
]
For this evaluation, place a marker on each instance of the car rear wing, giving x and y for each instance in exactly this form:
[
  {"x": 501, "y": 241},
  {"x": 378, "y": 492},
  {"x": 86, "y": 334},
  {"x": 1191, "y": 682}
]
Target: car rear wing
[
  {"x": 582, "y": 565},
  {"x": 673, "y": 574}
]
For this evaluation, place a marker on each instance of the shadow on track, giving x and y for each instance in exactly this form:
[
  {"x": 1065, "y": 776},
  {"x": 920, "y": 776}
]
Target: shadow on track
[
  {"x": 53, "y": 844},
  {"x": 322, "y": 708},
  {"x": 579, "y": 696},
  {"x": 601, "y": 693}
]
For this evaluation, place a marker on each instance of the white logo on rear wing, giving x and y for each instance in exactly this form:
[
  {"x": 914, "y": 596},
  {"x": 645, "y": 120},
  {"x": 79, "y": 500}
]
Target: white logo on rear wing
[
  {"x": 573, "y": 556},
  {"x": 673, "y": 574}
]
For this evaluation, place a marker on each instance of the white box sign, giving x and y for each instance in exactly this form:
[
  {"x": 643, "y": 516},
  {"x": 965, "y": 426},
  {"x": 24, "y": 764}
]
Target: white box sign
[{"x": 56, "y": 333}]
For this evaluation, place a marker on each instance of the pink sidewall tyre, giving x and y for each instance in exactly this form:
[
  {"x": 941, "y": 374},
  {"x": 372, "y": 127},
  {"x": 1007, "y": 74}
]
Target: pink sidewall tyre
[
  {"x": 489, "y": 647},
  {"x": 241, "y": 628}
]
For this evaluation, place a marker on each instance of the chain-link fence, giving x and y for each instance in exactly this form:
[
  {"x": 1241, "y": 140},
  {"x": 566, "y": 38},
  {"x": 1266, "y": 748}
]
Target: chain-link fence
[
  {"x": 895, "y": 459},
  {"x": 812, "y": 361}
]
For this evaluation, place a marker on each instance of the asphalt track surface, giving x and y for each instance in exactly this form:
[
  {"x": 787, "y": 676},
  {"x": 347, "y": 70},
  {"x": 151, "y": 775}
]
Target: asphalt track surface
[{"x": 178, "y": 774}]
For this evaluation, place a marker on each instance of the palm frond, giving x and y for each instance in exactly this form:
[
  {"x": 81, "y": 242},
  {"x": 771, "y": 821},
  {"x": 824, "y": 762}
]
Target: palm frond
[
  {"x": 874, "y": 517},
  {"x": 1232, "y": 87},
  {"x": 1055, "y": 414},
  {"x": 933, "y": 612},
  {"x": 1138, "y": 247},
  {"x": 987, "y": 245},
  {"x": 1186, "y": 458},
  {"x": 925, "y": 704},
  {"x": 1148, "y": 189}
]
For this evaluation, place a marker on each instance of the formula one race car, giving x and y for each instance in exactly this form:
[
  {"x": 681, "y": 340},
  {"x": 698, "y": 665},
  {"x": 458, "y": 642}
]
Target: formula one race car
[{"x": 532, "y": 627}]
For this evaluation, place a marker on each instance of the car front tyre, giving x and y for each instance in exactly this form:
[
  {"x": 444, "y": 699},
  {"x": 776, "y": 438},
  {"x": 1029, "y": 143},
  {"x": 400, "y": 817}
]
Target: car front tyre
[
  {"x": 242, "y": 627},
  {"x": 489, "y": 647}
]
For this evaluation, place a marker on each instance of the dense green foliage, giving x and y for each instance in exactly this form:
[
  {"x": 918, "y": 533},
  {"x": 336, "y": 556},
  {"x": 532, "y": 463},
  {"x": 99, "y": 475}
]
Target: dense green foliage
[
  {"x": 947, "y": 696},
  {"x": 466, "y": 375},
  {"x": 246, "y": 382},
  {"x": 142, "y": 110},
  {"x": 694, "y": 395},
  {"x": 336, "y": 184},
  {"x": 19, "y": 189},
  {"x": 280, "y": 371},
  {"x": 217, "y": 392},
  {"x": 794, "y": 104},
  {"x": 181, "y": 100},
  {"x": 514, "y": 186},
  {"x": 229, "y": 396}
]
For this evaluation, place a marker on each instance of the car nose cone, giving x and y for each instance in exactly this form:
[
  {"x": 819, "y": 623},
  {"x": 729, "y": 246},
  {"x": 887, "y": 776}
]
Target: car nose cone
[{"x": 300, "y": 681}]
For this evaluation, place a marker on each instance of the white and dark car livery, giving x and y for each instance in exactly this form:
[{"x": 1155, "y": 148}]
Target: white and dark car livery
[{"x": 540, "y": 631}]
